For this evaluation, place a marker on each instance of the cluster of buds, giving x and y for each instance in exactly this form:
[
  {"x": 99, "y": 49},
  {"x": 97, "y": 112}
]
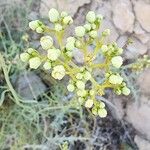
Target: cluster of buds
[
  {"x": 141, "y": 63},
  {"x": 59, "y": 58}
]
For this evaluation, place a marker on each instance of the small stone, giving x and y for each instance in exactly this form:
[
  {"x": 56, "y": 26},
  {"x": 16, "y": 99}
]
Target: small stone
[
  {"x": 142, "y": 11},
  {"x": 138, "y": 116},
  {"x": 142, "y": 143},
  {"x": 144, "y": 82},
  {"x": 123, "y": 17},
  {"x": 135, "y": 49}
]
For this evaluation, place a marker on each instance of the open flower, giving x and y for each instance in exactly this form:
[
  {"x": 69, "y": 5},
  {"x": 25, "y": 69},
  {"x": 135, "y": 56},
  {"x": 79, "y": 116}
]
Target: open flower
[{"x": 58, "y": 72}]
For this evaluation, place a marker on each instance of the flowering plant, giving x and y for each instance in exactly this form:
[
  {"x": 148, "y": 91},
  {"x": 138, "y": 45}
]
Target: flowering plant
[{"x": 59, "y": 59}]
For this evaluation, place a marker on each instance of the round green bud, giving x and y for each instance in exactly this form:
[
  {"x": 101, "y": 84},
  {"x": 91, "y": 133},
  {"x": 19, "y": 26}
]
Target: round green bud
[
  {"x": 125, "y": 91},
  {"x": 120, "y": 51},
  {"x": 46, "y": 42},
  {"x": 80, "y": 31},
  {"x": 92, "y": 92},
  {"x": 70, "y": 87},
  {"x": 71, "y": 39},
  {"x": 93, "y": 34},
  {"x": 24, "y": 57},
  {"x": 31, "y": 50},
  {"x": 78, "y": 44},
  {"x": 53, "y": 54},
  {"x": 63, "y": 14},
  {"x": 80, "y": 84},
  {"x": 47, "y": 65},
  {"x": 87, "y": 75},
  {"x": 115, "y": 79},
  {"x": 35, "y": 62},
  {"x": 102, "y": 113},
  {"x": 89, "y": 103},
  {"x": 94, "y": 111},
  {"x": 104, "y": 48},
  {"x": 102, "y": 105},
  {"x": 58, "y": 72},
  {"x": 87, "y": 27},
  {"x": 69, "y": 53},
  {"x": 99, "y": 18},
  {"x": 79, "y": 76},
  {"x": 67, "y": 20},
  {"x": 53, "y": 15},
  {"x": 58, "y": 27},
  {"x": 81, "y": 100},
  {"x": 70, "y": 46},
  {"x": 91, "y": 17},
  {"x": 117, "y": 61},
  {"x": 39, "y": 30},
  {"x": 93, "y": 26},
  {"x": 106, "y": 32},
  {"x": 118, "y": 91},
  {"x": 81, "y": 93},
  {"x": 34, "y": 24}
]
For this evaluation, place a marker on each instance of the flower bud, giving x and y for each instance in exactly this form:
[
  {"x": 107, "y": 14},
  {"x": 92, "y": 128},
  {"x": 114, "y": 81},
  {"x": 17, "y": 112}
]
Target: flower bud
[
  {"x": 53, "y": 15},
  {"x": 35, "y": 62},
  {"x": 106, "y": 32},
  {"x": 80, "y": 31},
  {"x": 39, "y": 30},
  {"x": 81, "y": 100},
  {"x": 63, "y": 14},
  {"x": 31, "y": 50},
  {"x": 99, "y": 18},
  {"x": 102, "y": 113},
  {"x": 79, "y": 76},
  {"x": 47, "y": 65},
  {"x": 91, "y": 17},
  {"x": 89, "y": 103},
  {"x": 58, "y": 72},
  {"x": 34, "y": 24},
  {"x": 104, "y": 48},
  {"x": 70, "y": 46},
  {"x": 81, "y": 93},
  {"x": 125, "y": 91},
  {"x": 94, "y": 111},
  {"x": 120, "y": 51},
  {"x": 67, "y": 20},
  {"x": 78, "y": 44},
  {"x": 69, "y": 53},
  {"x": 24, "y": 57},
  {"x": 80, "y": 84},
  {"x": 93, "y": 34},
  {"x": 93, "y": 26},
  {"x": 46, "y": 42},
  {"x": 87, "y": 75},
  {"x": 87, "y": 27},
  {"x": 58, "y": 27},
  {"x": 70, "y": 87},
  {"x": 71, "y": 39},
  {"x": 115, "y": 79},
  {"x": 53, "y": 54},
  {"x": 102, "y": 105},
  {"x": 117, "y": 61},
  {"x": 92, "y": 92}
]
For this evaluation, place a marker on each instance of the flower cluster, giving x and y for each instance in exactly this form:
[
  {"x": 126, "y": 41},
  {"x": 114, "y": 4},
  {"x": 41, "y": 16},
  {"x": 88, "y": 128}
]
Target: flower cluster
[{"x": 59, "y": 58}]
